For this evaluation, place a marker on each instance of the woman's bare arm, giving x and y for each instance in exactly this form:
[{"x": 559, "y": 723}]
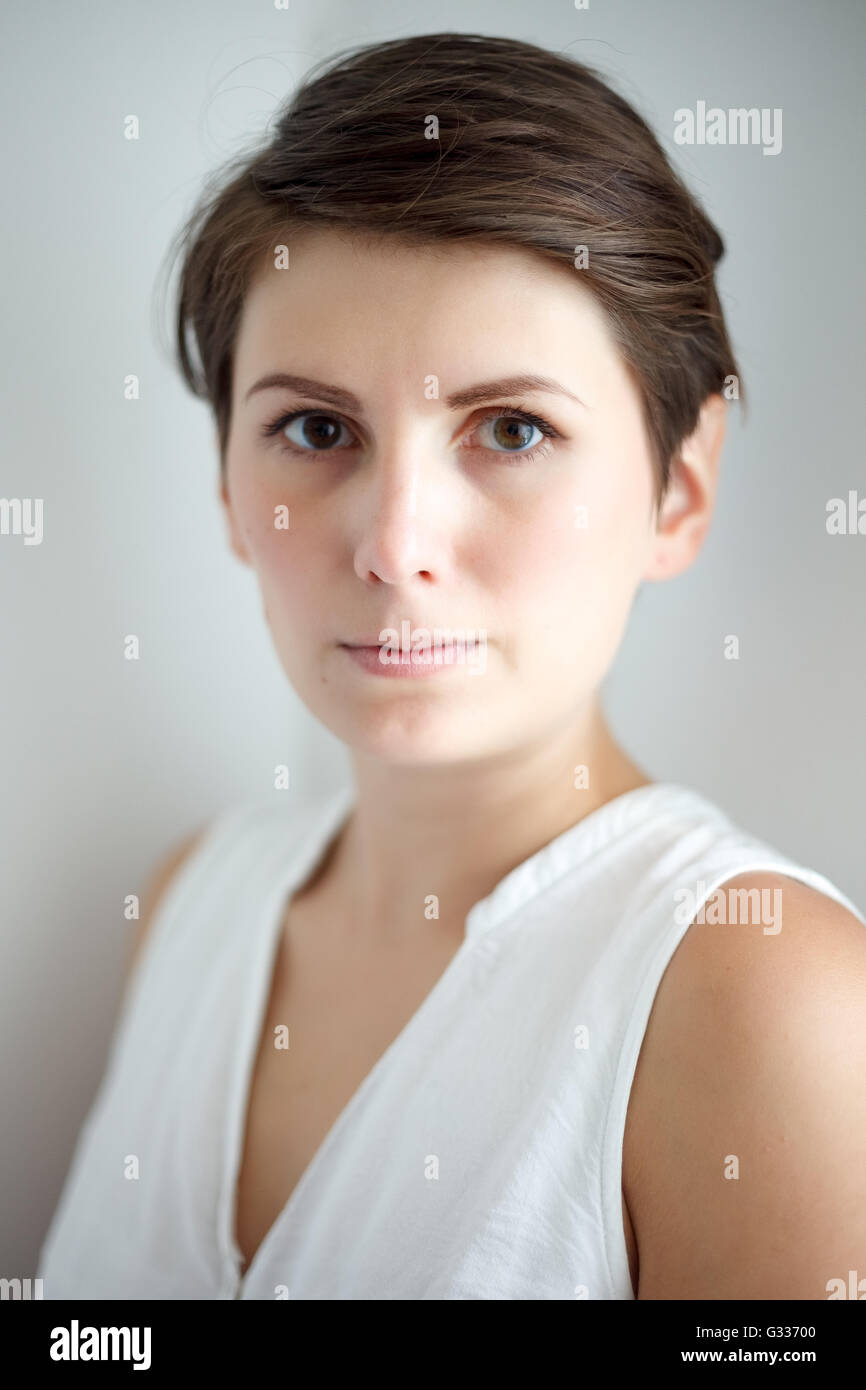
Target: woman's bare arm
[{"x": 744, "y": 1159}]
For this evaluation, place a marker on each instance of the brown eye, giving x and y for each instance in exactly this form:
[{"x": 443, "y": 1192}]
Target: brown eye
[
  {"x": 316, "y": 431},
  {"x": 513, "y": 433},
  {"x": 313, "y": 432}
]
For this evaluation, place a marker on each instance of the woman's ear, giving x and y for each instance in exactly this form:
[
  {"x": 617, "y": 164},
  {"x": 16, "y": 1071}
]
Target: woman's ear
[
  {"x": 235, "y": 538},
  {"x": 684, "y": 516}
]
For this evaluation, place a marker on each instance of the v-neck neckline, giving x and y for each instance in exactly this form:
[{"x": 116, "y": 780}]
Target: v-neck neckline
[
  {"x": 296, "y": 871},
  {"x": 516, "y": 888}
]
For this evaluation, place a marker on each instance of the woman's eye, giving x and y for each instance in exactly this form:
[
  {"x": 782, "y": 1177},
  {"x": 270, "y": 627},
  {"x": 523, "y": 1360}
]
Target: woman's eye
[
  {"x": 315, "y": 432},
  {"x": 309, "y": 431},
  {"x": 511, "y": 433}
]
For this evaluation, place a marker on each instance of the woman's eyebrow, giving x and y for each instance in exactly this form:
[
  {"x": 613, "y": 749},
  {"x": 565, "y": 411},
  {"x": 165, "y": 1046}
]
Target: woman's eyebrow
[
  {"x": 509, "y": 386},
  {"x": 471, "y": 395}
]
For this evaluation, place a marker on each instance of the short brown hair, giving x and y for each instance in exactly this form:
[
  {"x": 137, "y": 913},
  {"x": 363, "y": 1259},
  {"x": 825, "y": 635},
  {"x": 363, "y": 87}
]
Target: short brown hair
[{"x": 533, "y": 149}]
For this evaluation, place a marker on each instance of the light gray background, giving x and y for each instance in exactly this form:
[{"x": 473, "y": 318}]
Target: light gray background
[{"x": 106, "y": 763}]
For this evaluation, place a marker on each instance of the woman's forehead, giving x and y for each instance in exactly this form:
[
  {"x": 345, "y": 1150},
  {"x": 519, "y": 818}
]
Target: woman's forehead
[{"x": 351, "y": 294}]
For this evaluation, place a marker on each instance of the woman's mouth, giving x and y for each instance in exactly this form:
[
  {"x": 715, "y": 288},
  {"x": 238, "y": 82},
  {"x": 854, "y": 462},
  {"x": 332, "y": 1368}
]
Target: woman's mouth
[{"x": 382, "y": 660}]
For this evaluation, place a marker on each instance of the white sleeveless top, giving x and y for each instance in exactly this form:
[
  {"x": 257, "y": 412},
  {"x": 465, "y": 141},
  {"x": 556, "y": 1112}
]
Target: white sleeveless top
[{"x": 480, "y": 1158}]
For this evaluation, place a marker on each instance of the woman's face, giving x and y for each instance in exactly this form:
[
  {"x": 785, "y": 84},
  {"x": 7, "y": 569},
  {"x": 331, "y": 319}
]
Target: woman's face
[{"x": 429, "y": 499}]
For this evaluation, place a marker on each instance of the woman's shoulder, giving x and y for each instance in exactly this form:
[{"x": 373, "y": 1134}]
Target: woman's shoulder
[
  {"x": 163, "y": 874},
  {"x": 208, "y": 843},
  {"x": 742, "y": 1162}
]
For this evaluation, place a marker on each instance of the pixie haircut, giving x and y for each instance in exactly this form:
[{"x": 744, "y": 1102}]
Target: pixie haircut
[{"x": 530, "y": 149}]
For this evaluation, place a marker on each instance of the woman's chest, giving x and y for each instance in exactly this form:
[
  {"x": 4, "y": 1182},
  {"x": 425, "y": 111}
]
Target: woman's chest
[
  {"x": 328, "y": 1022},
  {"x": 496, "y": 1100}
]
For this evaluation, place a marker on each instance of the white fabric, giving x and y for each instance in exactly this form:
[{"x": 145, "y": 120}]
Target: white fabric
[{"x": 480, "y": 1158}]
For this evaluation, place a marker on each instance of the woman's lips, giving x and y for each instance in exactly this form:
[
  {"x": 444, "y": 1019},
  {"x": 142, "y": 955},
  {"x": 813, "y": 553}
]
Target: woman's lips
[{"x": 380, "y": 661}]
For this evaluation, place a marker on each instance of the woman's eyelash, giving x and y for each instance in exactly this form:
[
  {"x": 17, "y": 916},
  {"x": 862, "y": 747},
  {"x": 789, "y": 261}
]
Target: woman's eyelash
[
  {"x": 520, "y": 413},
  {"x": 277, "y": 425}
]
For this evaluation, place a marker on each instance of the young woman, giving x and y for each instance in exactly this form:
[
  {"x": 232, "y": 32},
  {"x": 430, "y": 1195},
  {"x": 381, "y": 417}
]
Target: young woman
[{"x": 508, "y": 1018}]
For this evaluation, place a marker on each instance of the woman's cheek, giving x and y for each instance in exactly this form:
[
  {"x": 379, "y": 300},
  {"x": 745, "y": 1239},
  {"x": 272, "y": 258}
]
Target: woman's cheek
[{"x": 273, "y": 527}]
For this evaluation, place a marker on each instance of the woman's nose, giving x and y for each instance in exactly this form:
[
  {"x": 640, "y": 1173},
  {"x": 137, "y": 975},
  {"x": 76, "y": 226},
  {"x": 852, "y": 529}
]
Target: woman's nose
[{"x": 398, "y": 520}]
